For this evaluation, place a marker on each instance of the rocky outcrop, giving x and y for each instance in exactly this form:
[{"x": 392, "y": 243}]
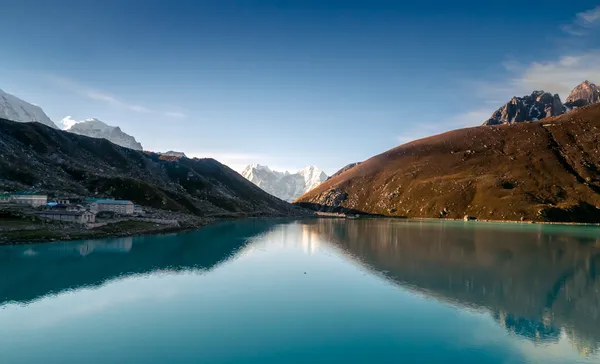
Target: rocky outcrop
[
  {"x": 534, "y": 107},
  {"x": 584, "y": 94},
  {"x": 346, "y": 168},
  {"x": 175, "y": 154}
]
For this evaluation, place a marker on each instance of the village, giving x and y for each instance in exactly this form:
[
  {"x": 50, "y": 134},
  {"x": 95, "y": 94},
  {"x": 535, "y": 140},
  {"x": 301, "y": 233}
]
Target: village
[
  {"x": 74, "y": 210},
  {"x": 33, "y": 216}
]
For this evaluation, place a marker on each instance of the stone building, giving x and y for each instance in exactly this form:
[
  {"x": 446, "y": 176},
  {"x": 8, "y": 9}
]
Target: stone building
[
  {"x": 76, "y": 217},
  {"x": 121, "y": 207},
  {"x": 32, "y": 199}
]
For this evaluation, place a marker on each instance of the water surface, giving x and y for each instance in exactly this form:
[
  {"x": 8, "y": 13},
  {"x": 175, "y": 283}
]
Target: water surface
[{"x": 309, "y": 291}]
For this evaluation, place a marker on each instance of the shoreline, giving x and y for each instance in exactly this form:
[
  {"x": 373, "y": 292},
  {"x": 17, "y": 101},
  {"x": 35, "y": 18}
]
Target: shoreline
[
  {"x": 169, "y": 229},
  {"x": 336, "y": 215},
  {"x": 129, "y": 228}
]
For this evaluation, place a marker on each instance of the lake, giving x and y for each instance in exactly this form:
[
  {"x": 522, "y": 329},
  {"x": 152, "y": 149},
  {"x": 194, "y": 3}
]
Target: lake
[{"x": 308, "y": 291}]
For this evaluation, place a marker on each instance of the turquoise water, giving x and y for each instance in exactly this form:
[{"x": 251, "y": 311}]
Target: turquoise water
[{"x": 310, "y": 291}]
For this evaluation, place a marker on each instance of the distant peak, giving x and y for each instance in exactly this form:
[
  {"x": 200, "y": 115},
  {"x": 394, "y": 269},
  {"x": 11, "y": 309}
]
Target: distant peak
[
  {"x": 67, "y": 122},
  {"x": 259, "y": 167}
]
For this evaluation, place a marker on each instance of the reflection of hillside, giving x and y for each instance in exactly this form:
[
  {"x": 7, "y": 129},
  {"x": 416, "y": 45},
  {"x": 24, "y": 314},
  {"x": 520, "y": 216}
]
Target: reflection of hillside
[
  {"x": 33, "y": 271},
  {"x": 535, "y": 278}
]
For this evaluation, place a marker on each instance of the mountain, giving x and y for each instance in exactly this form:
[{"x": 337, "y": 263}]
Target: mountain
[
  {"x": 584, "y": 94},
  {"x": 15, "y": 109},
  {"x": 95, "y": 128},
  {"x": 284, "y": 185},
  {"x": 540, "y": 171},
  {"x": 534, "y": 107},
  {"x": 34, "y": 156},
  {"x": 344, "y": 169},
  {"x": 174, "y": 154}
]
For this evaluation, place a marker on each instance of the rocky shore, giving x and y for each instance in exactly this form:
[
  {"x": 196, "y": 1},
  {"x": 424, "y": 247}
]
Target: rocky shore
[{"x": 25, "y": 228}]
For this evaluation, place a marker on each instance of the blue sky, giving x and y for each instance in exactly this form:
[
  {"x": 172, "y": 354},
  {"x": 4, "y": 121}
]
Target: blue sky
[{"x": 291, "y": 83}]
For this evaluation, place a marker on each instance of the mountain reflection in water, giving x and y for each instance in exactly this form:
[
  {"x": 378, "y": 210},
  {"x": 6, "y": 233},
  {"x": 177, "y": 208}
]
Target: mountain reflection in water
[{"x": 538, "y": 282}]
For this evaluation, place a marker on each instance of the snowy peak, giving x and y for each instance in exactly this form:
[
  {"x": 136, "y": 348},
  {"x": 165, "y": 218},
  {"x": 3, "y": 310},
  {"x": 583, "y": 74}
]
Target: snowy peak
[
  {"x": 284, "y": 185},
  {"x": 15, "y": 109},
  {"x": 95, "y": 128},
  {"x": 313, "y": 177}
]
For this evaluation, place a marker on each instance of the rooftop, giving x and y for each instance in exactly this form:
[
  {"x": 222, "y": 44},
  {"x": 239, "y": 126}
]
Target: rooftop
[{"x": 113, "y": 202}]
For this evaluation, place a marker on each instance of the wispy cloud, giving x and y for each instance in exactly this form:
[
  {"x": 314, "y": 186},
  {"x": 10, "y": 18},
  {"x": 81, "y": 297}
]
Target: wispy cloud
[
  {"x": 175, "y": 114},
  {"x": 559, "y": 75},
  {"x": 97, "y": 95},
  {"x": 108, "y": 98},
  {"x": 584, "y": 23}
]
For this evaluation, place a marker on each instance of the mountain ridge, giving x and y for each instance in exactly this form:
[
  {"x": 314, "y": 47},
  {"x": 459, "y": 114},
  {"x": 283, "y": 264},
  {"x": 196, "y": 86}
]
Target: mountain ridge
[
  {"x": 37, "y": 157},
  {"x": 95, "y": 128},
  {"x": 14, "y": 109}
]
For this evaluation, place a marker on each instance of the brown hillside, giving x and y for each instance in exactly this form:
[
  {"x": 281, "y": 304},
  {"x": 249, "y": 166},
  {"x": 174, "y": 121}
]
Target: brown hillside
[{"x": 547, "y": 170}]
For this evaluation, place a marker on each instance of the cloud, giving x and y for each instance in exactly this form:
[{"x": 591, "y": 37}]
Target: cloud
[
  {"x": 584, "y": 23},
  {"x": 559, "y": 76},
  {"x": 106, "y": 97},
  {"x": 96, "y": 94},
  {"x": 590, "y": 16},
  {"x": 67, "y": 122},
  {"x": 175, "y": 114}
]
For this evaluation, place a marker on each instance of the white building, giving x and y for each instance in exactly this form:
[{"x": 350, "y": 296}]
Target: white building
[
  {"x": 122, "y": 207},
  {"x": 29, "y": 198}
]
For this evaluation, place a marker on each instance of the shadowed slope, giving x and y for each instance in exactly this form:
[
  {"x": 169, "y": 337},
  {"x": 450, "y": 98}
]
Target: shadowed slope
[{"x": 34, "y": 156}]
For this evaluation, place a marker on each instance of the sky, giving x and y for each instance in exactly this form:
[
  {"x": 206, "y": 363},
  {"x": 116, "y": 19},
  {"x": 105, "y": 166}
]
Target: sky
[{"x": 291, "y": 83}]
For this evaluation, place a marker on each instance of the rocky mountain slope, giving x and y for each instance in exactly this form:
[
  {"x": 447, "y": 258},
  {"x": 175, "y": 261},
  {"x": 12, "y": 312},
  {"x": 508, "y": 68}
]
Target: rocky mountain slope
[
  {"x": 534, "y": 107},
  {"x": 15, "y": 109},
  {"x": 542, "y": 171},
  {"x": 584, "y": 94},
  {"x": 95, "y": 128},
  {"x": 285, "y": 185},
  {"x": 344, "y": 169},
  {"x": 34, "y": 156}
]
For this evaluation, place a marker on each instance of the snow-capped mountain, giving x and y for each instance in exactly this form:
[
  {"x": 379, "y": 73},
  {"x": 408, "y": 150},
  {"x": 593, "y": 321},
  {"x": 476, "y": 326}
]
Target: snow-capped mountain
[
  {"x": 15, "y": 109},
  {"x": 97, "y": 129},
  {"x": 284, "y": 185}
]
